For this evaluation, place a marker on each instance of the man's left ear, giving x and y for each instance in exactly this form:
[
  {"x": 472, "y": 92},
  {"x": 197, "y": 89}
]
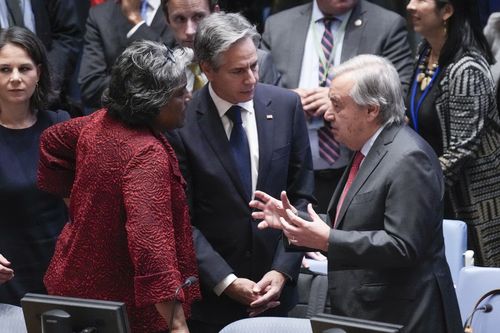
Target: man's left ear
[
  {"x": 206, "y": 69},
  {"x": 373, "y": 112}
]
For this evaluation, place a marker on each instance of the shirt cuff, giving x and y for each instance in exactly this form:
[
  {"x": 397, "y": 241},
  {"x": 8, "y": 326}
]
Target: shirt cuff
[
  {"x": 221, "y": 286},
  {"x": 135, "y": 28}
]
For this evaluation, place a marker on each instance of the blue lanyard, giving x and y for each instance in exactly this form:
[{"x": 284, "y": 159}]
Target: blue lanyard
[{"x": 414, "y": 111}]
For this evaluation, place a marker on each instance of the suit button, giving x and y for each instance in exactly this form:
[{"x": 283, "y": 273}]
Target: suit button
[{"x": 248, "y": 254}]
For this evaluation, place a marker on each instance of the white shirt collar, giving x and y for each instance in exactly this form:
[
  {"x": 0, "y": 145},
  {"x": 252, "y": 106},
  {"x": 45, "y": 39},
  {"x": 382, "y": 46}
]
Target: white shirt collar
[
  {"x": 223, "y": 105},
  {"x": 318, "y": 15},
  {"x": 155, "y": 4},
  {"x": 369, "y": 143}
]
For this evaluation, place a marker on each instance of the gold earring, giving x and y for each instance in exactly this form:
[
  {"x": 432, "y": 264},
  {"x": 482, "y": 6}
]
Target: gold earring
[{"x": 445, "y": 27}]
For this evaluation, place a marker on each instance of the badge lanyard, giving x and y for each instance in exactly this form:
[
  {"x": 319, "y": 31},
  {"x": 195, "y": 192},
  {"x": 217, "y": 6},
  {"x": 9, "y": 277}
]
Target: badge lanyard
[{"x": 415, "y": 109}]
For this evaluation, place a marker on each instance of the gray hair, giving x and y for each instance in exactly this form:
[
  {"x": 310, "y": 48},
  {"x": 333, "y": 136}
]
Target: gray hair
[
  {"x": 218, "y": 32},
  {"x": 143, "y": 79},
  {"x": 376, "y": 83}
]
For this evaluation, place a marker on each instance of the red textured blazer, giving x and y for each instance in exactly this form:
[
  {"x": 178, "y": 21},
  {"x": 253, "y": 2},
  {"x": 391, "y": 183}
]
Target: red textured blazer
[{"x": 129, "y": 238}]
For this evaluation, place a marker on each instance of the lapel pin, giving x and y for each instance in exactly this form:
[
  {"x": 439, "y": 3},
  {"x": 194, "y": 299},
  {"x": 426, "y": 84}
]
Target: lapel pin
[
  {"x": 358, "y": 22},
  {"x": 269, "y": 117}
]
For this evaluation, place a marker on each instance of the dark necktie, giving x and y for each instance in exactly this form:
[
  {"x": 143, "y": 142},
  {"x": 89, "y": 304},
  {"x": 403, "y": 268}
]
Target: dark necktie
[
  {"x": 239, "y": 147},
  {"x": 358, "y": 158},
  {"x": 327, "y": 47},
  {"x": 15, "y": 15}
]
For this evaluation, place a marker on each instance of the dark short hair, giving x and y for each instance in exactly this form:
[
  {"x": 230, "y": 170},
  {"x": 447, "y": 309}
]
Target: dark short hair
[
  {"x": 464, "y": 31},
  {"x": 211, "y": 5},
  {"x": 143, "y": 79},
  {"x": 28, "y": 41}
]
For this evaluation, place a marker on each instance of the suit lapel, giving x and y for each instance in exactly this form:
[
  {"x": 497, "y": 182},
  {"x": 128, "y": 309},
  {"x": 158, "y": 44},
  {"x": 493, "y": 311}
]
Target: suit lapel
[
  {"x": 119, "y": 23},
  {"x": 353, "y": 32},
  {"x": 370, "y": 163},
  {"x": 265, "y": 129},
  {"x": 211, "y": 126},
  {"x": 298, "y": 35}
]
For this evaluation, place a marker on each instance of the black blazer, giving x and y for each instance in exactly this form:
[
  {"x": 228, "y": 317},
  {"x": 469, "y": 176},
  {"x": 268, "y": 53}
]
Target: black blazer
[
  {"x": 226, "y": 238},
  {"x": 105, "y": 39},
  {"x": 58, "y": 27}
]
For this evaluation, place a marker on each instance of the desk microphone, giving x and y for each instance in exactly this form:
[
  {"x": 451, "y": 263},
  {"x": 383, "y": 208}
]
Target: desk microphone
[
  {"x": 468, "y": 323},
  {"x": 189, "y": 281}
]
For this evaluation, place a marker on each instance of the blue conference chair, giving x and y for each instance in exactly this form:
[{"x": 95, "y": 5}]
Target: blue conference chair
[
  {"x": 473, "y": 283},
  {"x": 11, "y": 319},
  {"x": 269, "y": 325},
  {"x": 455, "y": 242}
]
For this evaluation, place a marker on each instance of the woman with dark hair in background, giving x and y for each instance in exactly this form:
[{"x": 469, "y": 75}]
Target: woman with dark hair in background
[
  {"x": 30, "y": 220},
  {"x": 452, "y": 105},
  {"x": 129, "y": 238}
]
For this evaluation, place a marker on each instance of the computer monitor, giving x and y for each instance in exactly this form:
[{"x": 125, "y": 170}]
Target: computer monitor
[
  {"x": 70, "y": 314},
  {"x": 327, "y": 323}
]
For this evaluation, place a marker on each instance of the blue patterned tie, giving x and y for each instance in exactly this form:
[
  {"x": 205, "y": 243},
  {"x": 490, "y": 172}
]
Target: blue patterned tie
[{"x": 239, "y": 147}]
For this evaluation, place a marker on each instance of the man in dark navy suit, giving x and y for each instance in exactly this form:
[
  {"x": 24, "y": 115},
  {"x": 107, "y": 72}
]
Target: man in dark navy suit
[{"x": 239, "y": 136}]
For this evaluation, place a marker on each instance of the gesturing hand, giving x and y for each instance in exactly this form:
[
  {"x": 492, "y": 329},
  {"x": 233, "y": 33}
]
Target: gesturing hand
[{"x": 270, "y": 210}]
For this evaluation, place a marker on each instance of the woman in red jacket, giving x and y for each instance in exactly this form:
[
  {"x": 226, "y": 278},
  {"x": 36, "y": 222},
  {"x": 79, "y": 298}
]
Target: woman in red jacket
[{"x": 129, "y": 238}]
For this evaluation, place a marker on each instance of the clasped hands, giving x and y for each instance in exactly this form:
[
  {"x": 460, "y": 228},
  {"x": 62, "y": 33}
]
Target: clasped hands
[
  {"x": 260, "y": 296},
  {"x": 280, "y": 214},
  {"x": 315, "y": 102}
]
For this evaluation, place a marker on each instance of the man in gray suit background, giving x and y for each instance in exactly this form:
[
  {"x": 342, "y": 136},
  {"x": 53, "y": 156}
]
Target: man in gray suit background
[
  {"x": 383, "y": 232},
  {"x": 295, "y": 38}
]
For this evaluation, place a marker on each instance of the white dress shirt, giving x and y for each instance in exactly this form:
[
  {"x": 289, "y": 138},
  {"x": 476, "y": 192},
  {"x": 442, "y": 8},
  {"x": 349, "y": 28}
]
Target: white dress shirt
[{"x": 250, "y": 126}]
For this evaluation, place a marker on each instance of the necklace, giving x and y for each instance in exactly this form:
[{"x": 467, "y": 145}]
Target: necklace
[
  {"x": 424, "y": 77},
  {"x": 426, "y": 72}
]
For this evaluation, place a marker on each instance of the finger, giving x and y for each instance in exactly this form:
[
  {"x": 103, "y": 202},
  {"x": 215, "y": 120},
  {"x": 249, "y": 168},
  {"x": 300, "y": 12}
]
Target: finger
[
  {"x": 322, "y": 108},
  {"x": 4, "y": 260},
  {"x": 255, "y": 312},
  {"x": 287, "y": 227},
  {"x": 295, "y": 220},
  {"x": 305, "y": 264},
  {"x": 256, "y": 204},
  {"x": 264, "y": 299},
  {"x": 262, "y": 196},
  {"x": 258, "y": 215},
  {"x": 316, "y": 256},
  {"x": 261, "y": 285},
  {"x": 262, "y": 225},
  {"x": 314, "y": 216}
]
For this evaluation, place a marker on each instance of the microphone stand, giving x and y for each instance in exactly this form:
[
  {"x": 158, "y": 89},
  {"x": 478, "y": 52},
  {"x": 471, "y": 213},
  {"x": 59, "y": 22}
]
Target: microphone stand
[{"x": 189, "y": 281}]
